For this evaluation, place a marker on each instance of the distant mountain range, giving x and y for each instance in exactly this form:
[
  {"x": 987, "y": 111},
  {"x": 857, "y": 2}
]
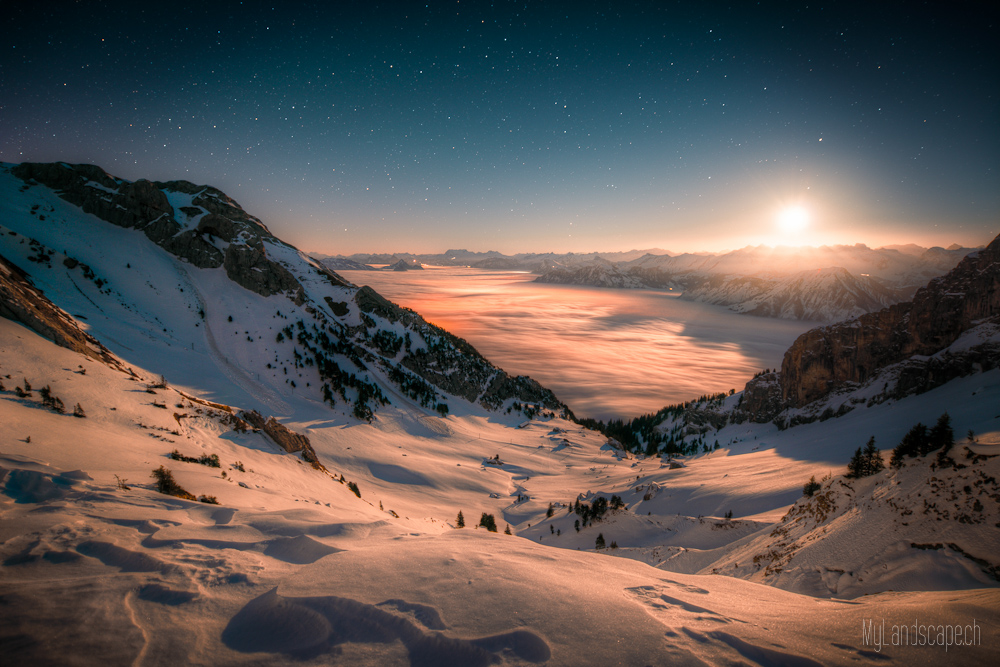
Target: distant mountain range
[{"x": 828, "y": 283}]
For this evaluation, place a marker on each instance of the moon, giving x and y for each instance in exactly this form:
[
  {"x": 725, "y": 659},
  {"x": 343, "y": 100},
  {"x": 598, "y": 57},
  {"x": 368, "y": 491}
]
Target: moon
[{"x": 793, "y": 219}]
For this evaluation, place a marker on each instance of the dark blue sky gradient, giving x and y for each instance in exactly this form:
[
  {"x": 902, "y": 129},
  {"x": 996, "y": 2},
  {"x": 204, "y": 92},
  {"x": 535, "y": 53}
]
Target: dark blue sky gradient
[{"x": 528, "y": 126}]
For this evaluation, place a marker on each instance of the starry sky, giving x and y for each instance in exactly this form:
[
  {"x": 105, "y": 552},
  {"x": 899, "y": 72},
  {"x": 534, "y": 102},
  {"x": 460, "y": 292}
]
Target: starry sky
[{"x": 529, "y": 126}]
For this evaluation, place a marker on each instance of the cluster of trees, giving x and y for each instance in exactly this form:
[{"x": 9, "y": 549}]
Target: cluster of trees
[
  {"x": 487, "y": 521},
  {"x": 867, "y": 462},
  {"x": 596, "y": 511},
  {"x": 918, "y": 441},
  {"x": 54, "y": 403},
  {"x": 414, "y": 386},
  {"x": 50, "y": 401},
  {"x": 320, "y": 349},
  {"x": 640, "y": 434},
  {"x": 921, "y": 441},
  {"x": 210, "y": 460},
  {"x": 387, "y": 342}
]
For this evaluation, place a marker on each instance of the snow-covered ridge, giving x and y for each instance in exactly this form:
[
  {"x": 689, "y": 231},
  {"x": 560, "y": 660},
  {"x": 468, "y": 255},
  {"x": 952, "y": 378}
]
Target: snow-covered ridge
[{"x": 275, "y": 321}]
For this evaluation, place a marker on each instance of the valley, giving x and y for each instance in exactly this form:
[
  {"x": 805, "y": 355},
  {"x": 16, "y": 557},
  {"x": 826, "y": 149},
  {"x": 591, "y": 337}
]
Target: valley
[{"x": 350, "y": 432}]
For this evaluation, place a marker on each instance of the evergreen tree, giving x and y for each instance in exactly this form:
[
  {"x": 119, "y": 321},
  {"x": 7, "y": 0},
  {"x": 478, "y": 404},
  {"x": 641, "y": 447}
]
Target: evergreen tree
[
  {"x": 941, "y": 435},
  {"x": 599, "y": 542},
  {"x": 856, "y": 467},
  {"x": 811, "y": 487},
  {"x": 914, "y": 443},
  {"x": 460, "y": 520},
  {"x": 550, "y": 511},
  {"x": 873, "y": 458},
  {"x": 507, "y": 530},
  {"x": 488, "y": 522}
]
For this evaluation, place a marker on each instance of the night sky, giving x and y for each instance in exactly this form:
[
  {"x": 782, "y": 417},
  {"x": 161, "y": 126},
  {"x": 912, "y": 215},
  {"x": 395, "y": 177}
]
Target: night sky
[{"x": 529, "y": 126}]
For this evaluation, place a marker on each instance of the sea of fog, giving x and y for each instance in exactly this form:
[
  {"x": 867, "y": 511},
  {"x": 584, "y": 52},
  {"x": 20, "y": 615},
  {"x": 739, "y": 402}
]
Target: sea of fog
[{"x": 604, "y": 352}]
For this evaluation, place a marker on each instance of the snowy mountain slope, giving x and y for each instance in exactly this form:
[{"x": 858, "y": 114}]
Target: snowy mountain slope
[
  {"x": 925, "y": 525},
  {"x": 178, "y": 265},
  {"x": 292, "y": 566},
  {"x": 600, "y": 274},
  {"x": 827, "y": 295}
]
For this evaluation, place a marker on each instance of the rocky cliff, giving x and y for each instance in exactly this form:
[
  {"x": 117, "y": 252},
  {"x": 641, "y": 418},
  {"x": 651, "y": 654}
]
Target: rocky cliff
[
  {"x": 23, "y": 302},
  {"x": 211, "y": 230},
  {"x": 828, "y": 357}
]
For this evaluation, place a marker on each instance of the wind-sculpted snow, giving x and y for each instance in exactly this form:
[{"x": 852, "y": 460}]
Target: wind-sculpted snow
[
  {"x": 293, "y": 567},
  {"x": 309, "y": 627}
]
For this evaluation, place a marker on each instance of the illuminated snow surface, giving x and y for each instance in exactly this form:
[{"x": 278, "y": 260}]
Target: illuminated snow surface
[{"x": 292, "y": 567}]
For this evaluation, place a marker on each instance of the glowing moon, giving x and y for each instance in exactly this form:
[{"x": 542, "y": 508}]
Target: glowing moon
[{"x": 793, "y": 219}]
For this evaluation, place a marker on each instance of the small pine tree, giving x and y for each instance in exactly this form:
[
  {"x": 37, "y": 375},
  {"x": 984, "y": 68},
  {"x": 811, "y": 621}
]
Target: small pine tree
[
  {"x": 78, "y": 411},
  {"x": 507, "y": 530},
  {"x": 941, "y": 435},
  {"x": 488, "y": 522},
  {"x": 811, "y": 487},
  {"x": 599, "y": 542},
  {"x": 460, "y": 520},
  {"x": 873, "y": 458},
  {"x": 354, "y": 487},
  {"x": 914, "y": 443},
  {"x": 856, "y": 467},
  {"x": 550, "y": 511}
]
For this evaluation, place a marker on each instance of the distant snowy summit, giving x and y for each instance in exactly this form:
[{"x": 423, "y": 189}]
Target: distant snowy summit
[
  {"x": 599, "y": 274},
  {"x": 403, "y": 265},
  {"x": 826, "y": 295}
]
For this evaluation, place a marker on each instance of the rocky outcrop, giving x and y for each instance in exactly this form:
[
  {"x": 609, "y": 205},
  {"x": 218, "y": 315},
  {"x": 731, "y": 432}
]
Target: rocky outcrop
[
  {"x": 288, "y": 440},
  {"x": 824, "y": 359},
  {"x": 251, "y": 268},
  {"x": 762, "y": 399},
  {"x": 23, "y": 302},
  {"x": 144, "y": 205}
]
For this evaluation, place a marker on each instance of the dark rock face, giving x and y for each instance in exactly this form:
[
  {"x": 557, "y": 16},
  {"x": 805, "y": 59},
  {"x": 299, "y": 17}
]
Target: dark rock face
[
  {"x": 251, "y": 268},
  {"x": 23, "y": 302},
  {"x": 144, "y": 205},
  {"x": 826, "y": 358},
  {"x": 134, "y": 205},
  {"x": 761, "y": 398}
]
